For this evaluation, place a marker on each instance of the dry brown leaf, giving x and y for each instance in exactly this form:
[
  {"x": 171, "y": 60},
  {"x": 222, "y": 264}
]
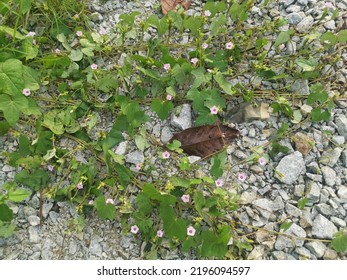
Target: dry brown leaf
[
  {"x": 203, "y": 141},
  {"x": 168, "y": 5}
]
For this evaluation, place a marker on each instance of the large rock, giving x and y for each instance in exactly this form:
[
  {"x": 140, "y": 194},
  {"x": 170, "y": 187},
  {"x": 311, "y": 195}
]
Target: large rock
[
  {"x": 341, "y": 123},
  {"x": 286, "y": 242},
  {"x": 322, "y": 228},
  {"x": 304, "y": 25},
  {"x": 247, "y": 112},
  {"x": 329, "y": 175},
  {"x": 290, "y": 167},
  {"x": 182, "y": 117}
]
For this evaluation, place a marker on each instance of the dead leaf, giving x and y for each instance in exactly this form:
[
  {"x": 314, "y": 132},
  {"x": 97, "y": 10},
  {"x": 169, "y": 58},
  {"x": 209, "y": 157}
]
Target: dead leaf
[
  {"x": 168, "y": 5},
  {"x": 203, "y": 141}
]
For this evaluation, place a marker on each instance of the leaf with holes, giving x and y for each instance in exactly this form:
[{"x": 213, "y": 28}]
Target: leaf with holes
[{"x": 205, "y": 140}]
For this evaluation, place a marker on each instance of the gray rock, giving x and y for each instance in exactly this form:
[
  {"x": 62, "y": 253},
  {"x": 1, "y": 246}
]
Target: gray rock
[
  {"x": 247, "y": 197},
  {"x": 301, "y": 87},
  {"x": 73, "y": 247},
  {"x": 34, "y": 236},
  {"x": 166, "y": 135},
  {"x": 338, "y": 222},
  {"x": 279, "y": 255},
  {"x": 299, "y": 190},
  {"x": 291, "y": 47},
  {"x": 257, "y": 253},
  {"x": 330, "y": 254},
  {"x": 330, "y": 25},
  {"x": 283, "y": 242},
  {"x": 122, "y": 148},
  {"x": 135, "y": 157},
  {"x": 302, "y": 2},
  {"x": 193, "y": 159},
  {"x": 290, "y": 167},
  {"x": 344, "y": 158},
  {"x": 95, "y": 247},
  {"x": 305, "y": 109},
  {"x": 312, "y": 191},
  {"x": 341, "y": 123},
  {"x": 305, "y": 24},
  {"x": 294, "y": 18},
  {"x": 47, "y": 253},
  {"x": 292, "y": 210},
  {"x": 184, "y": 118},
  {"x": 293, "y": 9},
  {"x": 288, "y": 3},
  {"x": 46, "y": 207},
  {"x": 325, "y": 209},
  {"x": 265, "y": 206},
  {"x": 278, "y": 204},
  {"x": 34, "y": 220},
  {"x": 329, "y": 175},
  {"x": 317, "y": 248},
  {"x": 8, "y": 168},
  {"x": 247, "y": 112},
  {"x": 53, "y": 216},
  {"x": 304, "y": 253},
  {"x": 342, "y": 194},
  {"x": 306, "y": 219},
  {"x": 322, "y": 228},
  {"x": 330, "y": 156},
  {"x": 338, "y": 139}
]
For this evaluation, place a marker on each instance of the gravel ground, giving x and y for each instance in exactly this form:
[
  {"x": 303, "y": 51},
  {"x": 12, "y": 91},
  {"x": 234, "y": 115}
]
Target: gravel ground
[{"x": 318, "y": 172}]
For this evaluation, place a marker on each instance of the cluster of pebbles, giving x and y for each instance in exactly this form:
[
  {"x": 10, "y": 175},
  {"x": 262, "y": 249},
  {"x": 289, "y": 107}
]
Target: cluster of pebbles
[{"x": 315, "y": 168}]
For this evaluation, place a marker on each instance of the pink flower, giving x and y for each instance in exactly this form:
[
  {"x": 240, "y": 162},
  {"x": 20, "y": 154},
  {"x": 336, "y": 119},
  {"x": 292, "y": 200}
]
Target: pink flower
[
  {"x": 242, "y": 177},
  {"x": 262, "y": 161},
  {"x": 31, "y": 34},
  {"x": 328, "y": 5},
  {"x": 79, "y": 33},
  {"x": 231, "y": 241},
  {"x": 166, "y": 154},
  {"x": 207, "y": 13},
  {"x": 79, "y": 186},
  {"x": 91, "y": 202},
  {"x": 167, "y": 66},
  {"x": 191, "y": 231},
  {"x": 185, "y": 198},
  {"x": 50, "y": 168},
  {"x": 229, "y": 45},
  {"x": 134, "y": 229},
  {"x": 209, "y": 70},
  {"x": 282, "y": 46},
  {"x": 109, "y": 201},
  {"x": 219, "y": 182},
  {"x": 94, "y": 66},
  {"x": 26, "y": 91},
  {"x": 194, "y": 60},
  {"x": 57, "y": 51},
  {"x": 204, "y": 45},
  {"x": 169, "y": 97},
  {"x": 160, "y": 233},
  {"x": 138, "y": 166},
  {"x": 214, "y": 110}
]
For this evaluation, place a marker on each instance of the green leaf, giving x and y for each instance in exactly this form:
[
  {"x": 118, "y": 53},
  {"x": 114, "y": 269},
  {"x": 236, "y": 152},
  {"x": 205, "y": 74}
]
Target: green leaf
[
  {"x": 76, "y": 55},
  {"x": 339, "y": 242},
  {"x": 104, "y": 210},
  {"x": 10, "y": 31},
  {"x": 283, "y": 37},
  {"x": 6, "y": 229},
  {"x": 317, "y": 94},
  {"x": 214, "y": 7},
  {"x": 224, "y": 84},
  {"x": 307, "y": 64},
  {"x": 162, "y": 108},
  {"x": 52, "y": 121},
  {"x": 217, "y": 164},
  {"x": 124, "y": 174},
  {"x": 180, "y": 72},
  {"x": 11, "y": 77},
  {"x": 150, "y": 191},
  {"x": 29, "y": 49},
  {"x": 141, "y": 142},
  {"x": 199, "y": 201},
  {"x": 18, "y": 195},
  {"x": 218, "y": 25},
  {"x": 179, "y": 182},
  {"x": 329, "y": 38},
  {"x": 35, "y": 180},
  {"x": 4, "y": 127},
  {"x": 302, "y": 203},
  {"x": 213, "y": 245},
  {"x": 201, "y": 77},
  {"x": 107, "y": 83},
  {"x": 12, "y": 106},
  {"x": 342, "y": 36},
  {"x": 143, "y": 204},
  {"x": 193, "y": 23},
  {"x": 6, "y": 214},
  {"x": 149, "y": 73},
  {"x": 286, "y": 225},
  {"x": 318, "y": 114}
]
